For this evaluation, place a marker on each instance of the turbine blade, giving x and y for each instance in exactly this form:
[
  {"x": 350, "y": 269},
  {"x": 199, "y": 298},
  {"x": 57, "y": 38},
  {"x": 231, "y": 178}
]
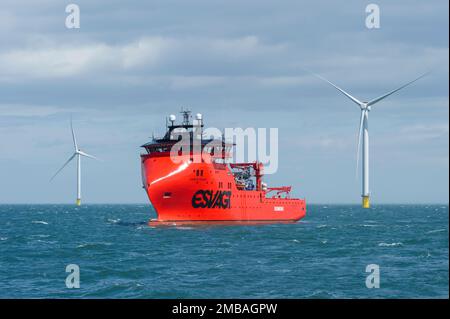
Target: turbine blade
[
  {"x": 378, "y": 99},
  {"x": 361, "y": 126},
  {"x": 354, "y": 99},
  {"x": 87, "y": 155},
  {"x": 71, "y": 158},
  {"x": 73, "y": 136}
]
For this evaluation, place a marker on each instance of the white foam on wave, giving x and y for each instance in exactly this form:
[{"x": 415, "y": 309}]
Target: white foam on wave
[
  {"x": 39, "y": 222},
  {"x": 3, "y": 238},
  {"x": 39, "y": 236},
  {"x": 46, "y": 241},
  {"x": 390, "y": 244},
  {"x": 436, "y": 231},
  {"x": 94, "y": 244}
]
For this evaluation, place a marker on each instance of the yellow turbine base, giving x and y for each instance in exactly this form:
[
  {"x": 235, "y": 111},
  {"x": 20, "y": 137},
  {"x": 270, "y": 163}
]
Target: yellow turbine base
[
  {"x": 365, "y": 202},
  {"x": 78, "y": 203}
]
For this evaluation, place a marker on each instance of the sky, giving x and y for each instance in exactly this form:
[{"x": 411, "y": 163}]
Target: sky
[{"x": 240, "y": 64}]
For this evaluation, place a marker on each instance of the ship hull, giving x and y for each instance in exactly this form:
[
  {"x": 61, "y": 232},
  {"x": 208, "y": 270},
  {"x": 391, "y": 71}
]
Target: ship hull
[{"x": 186, "y": 192}]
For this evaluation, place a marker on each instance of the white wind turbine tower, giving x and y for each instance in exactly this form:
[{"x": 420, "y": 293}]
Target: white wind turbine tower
[
  {"x": 364, "y": 133},
  {"x": 78, "y": 153}
]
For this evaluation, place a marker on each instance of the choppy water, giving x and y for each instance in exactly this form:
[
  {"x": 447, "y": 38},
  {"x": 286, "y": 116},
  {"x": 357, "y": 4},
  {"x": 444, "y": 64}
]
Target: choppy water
[{"x": 324, "y": 256}]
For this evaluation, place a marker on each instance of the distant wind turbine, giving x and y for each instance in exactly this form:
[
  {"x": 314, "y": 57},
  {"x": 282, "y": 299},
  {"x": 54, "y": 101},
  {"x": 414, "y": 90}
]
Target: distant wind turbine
[
  {"x": 78, "y": 153},
  {"x": 364, "y": 133}
]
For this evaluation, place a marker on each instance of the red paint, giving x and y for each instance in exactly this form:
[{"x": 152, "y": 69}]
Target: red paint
[{"x": 171, "y": 187}]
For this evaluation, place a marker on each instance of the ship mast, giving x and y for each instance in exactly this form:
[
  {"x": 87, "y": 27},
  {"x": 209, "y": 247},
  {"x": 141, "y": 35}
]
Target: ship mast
[{"x": 186, "y": 117}]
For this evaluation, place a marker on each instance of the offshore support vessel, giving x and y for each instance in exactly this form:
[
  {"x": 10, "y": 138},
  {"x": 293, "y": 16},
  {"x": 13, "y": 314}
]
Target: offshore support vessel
[{"x": 189, "y": 184}]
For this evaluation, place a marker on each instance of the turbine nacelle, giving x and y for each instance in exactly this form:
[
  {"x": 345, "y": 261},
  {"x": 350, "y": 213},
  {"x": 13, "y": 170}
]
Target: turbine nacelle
[{"x": 365, "y": 106}]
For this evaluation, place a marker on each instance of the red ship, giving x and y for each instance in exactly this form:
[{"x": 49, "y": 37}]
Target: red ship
[{"x": 198, "y": 185}]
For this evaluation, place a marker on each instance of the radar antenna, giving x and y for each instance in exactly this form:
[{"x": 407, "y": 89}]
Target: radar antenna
[{"x": 186, "y": 117}]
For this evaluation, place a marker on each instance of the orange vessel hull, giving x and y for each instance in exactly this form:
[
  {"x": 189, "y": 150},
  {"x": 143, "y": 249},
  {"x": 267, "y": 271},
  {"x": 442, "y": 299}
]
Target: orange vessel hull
[{"x": 190, "y": 192}]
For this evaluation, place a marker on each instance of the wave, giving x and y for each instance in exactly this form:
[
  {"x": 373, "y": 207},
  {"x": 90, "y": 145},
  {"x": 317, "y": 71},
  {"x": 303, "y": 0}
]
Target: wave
[
  {"x": 436, "y": 231},
  {"x": 39, "y": 236},
  {"x": 93, "y": 245},
  {"x": 46, "y": 241},
  {"x": 39, "y": 222},
  {"x": 390, "y": 245}
]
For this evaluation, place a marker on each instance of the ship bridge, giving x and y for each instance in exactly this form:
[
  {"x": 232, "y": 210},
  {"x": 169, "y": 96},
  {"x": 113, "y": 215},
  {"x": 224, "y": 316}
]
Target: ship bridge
[{"x": 188, "y": 134}]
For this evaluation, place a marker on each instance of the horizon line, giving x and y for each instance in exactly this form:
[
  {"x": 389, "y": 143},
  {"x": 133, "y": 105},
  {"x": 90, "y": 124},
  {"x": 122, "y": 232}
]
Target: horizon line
[{"x": 144, "y": 203}]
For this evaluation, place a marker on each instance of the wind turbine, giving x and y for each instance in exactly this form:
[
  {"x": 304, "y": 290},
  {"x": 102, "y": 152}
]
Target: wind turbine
[
  {"x": 365, "y": 108},
  {"x": 78, "y": 153}
]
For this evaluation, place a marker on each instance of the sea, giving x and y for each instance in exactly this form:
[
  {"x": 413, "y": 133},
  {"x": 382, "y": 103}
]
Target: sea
[{"x": 337, "y": 251}]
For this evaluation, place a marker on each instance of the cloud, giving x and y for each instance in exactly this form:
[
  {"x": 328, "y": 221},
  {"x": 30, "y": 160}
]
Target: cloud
[
  {"x": 249, "y": 46},
  {"x": 67, "y": 61},
  {"x": 9, "y": 110},
  {"x": 421, "y": 133},
  {"x": 62, "y": 61},
  {"x": 190, "y": 82}
]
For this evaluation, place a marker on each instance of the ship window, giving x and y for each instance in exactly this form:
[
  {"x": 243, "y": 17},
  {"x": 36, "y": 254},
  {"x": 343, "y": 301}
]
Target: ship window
[
  {"x": 167, "y": 195},
  {"x": 201, "y": 172}
]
